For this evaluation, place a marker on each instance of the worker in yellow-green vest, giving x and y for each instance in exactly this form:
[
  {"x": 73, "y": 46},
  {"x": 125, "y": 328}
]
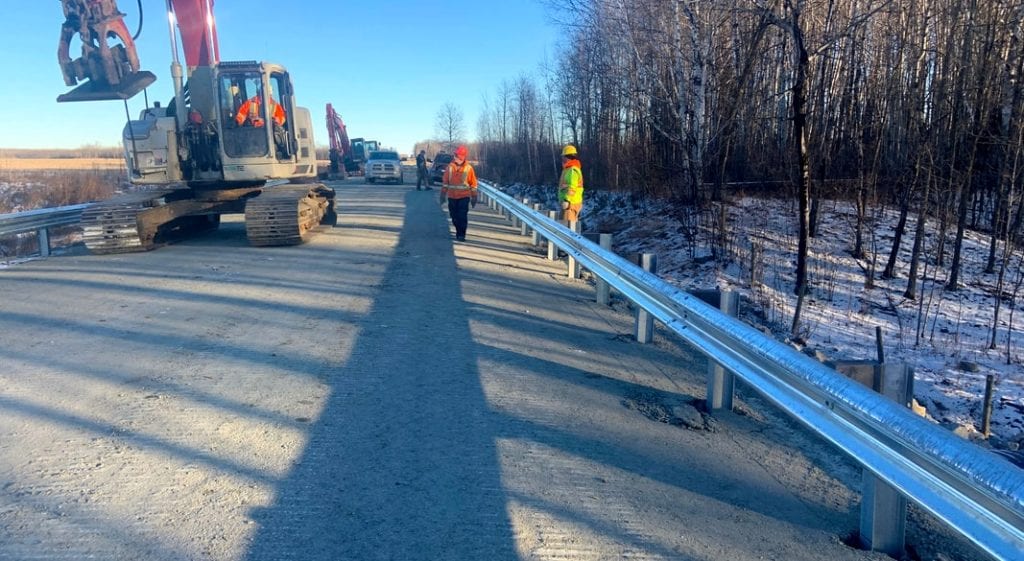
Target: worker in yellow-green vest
[{"x": 570, "y": 186}]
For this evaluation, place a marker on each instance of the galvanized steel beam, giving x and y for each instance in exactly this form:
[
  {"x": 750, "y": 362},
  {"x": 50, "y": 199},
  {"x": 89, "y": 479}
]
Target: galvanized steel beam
[{"x": 977, "y": 493}]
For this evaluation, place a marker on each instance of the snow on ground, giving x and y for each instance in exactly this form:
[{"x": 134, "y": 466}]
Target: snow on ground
[
  {"x": 943, "y": 334},
  {"x": 14, "y": 194}
]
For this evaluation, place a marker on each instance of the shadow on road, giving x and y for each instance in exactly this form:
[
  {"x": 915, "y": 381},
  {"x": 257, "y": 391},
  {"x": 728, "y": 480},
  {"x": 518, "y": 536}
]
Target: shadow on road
[{"x": 402, "y": 463}]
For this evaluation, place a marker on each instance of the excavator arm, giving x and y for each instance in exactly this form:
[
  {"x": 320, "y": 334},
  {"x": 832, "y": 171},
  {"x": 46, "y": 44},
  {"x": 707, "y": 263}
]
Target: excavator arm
[
  {"x": 337, "y": 131},
  {"x": 340, "y": 147}
]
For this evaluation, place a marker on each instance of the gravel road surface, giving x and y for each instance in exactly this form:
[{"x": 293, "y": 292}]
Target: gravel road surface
[{"x": 380, "y": 393}]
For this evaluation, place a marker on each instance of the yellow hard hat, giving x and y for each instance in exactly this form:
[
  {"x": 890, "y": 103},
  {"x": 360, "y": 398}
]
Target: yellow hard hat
[{"x": 569, "y": 150}]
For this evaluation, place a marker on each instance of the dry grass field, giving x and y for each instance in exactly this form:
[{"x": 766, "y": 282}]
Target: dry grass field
[
  {"x": 59, "y": 164},
  {"x": 27, "y": 184},
  {"x": 38, "y": 180}
]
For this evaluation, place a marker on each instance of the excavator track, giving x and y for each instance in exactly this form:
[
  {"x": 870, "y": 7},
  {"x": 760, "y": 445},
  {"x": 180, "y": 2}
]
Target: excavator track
[
  {"x": 113, "y": 227},
  {"x": 281, "y": 215},
  {"x": 288, "y": 214}
]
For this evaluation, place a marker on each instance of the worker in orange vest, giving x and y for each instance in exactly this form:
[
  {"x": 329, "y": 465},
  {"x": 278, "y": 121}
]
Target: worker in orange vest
[
  {"x": 459, "y": 189},
  {"x": 250, "y": 112}
]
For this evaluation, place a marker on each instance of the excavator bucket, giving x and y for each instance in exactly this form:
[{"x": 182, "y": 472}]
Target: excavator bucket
[{"x": 104, "y": 71}]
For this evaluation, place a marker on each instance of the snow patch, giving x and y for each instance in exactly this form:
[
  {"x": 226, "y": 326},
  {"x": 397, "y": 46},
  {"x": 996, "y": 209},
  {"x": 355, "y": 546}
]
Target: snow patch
[{"x": 936, "y": 333}]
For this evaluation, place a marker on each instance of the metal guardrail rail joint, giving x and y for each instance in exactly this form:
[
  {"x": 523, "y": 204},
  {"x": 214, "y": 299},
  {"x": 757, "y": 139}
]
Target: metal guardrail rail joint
[{"x": 977, "y": 493}]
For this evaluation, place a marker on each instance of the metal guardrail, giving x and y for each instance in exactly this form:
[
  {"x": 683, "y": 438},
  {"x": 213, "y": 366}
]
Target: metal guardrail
[
  {"x": 40, "y": 221},
  {"x": 33, "y": 220},
  {"x": 977, "y": 493}
]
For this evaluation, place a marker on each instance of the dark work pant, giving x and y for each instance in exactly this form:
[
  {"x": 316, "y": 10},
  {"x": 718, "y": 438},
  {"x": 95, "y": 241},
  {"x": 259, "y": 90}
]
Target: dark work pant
[
  {"x": 459, "y": 210},
  {"x": 422, "y": 177}
]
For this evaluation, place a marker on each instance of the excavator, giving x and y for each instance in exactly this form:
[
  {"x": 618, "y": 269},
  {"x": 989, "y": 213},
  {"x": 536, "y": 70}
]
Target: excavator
[
  {"x": 231, "y": 141},
  {"x": 341, "y": 149}
]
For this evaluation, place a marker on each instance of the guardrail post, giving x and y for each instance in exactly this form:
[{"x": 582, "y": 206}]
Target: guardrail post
[
  {"x": 536, "y": 234},
  {"x": 43, "y": 235},
  {"x": 523, "y": 228},
  {"x": 574, "y": 266},
  {"x": 552, "y": 248},
  {"x": 721, "y": 383},
  {"x": 603, "y": 289},
  {"x": 644, "y": 320},
  {"x": 883, "y": 509}
]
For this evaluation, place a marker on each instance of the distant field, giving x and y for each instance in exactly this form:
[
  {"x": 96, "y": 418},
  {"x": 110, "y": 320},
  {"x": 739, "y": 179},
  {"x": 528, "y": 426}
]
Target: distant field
[{"x": 38, "y": 164}]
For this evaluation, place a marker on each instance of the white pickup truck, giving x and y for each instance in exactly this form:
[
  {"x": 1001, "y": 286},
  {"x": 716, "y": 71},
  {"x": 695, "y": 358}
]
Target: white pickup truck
[{"x": 384, "y": 165}]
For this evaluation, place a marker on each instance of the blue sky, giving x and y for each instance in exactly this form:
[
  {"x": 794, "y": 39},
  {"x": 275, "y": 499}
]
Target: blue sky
[{"x": 387, "y": 66}]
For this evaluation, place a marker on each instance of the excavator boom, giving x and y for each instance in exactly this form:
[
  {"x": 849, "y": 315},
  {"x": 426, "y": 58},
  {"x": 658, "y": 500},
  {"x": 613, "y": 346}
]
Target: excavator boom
[
  {"x": 198, "y": 31},
  {"x": 341, "y": 150}
]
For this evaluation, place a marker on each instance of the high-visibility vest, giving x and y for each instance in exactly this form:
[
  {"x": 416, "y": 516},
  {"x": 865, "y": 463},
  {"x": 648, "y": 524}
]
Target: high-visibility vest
[
  {"x": 570, "y": 186},
  {"x": 250, "y": 110},
  {"x": 459, "y": 181}
]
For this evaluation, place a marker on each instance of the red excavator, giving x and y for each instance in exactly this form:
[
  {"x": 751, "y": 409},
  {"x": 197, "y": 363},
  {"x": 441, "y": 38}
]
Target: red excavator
[
  {"x": 341, "y": 149},
  {"x": 232, "y": 139}
]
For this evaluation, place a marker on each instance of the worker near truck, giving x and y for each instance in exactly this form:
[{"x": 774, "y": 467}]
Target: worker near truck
[
  {"x": 422, "y": 173},
  {"x": 459, "y": 189},
  {"x": 570, "y": 185}
]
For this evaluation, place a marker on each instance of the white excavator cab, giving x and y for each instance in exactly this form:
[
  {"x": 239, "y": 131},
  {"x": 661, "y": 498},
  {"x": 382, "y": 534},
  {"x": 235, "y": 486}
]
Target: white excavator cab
[{"x": 241, "y": 125}]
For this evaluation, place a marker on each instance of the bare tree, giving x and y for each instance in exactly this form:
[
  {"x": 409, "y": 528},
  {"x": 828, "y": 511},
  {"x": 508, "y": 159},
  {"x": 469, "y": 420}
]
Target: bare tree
[
  {"x": 915, "y": 105},
  {"x": 450, "y": 124}
]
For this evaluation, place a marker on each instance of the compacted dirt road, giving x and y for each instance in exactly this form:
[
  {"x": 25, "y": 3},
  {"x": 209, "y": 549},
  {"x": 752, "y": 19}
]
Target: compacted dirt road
[{"x": 378, "y": 393}]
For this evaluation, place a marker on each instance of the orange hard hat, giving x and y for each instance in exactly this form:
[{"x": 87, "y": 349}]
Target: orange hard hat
[{"x": 462, "y": 152}]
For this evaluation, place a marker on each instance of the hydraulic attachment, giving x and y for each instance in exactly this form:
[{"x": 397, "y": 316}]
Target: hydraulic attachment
[{"x": 107, "y": 71}]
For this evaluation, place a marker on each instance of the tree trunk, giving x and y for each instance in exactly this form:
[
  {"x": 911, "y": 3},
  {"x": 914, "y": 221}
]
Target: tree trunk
[
  {"x": 813, "y": 217},
  {"x": 919, "y": 232},
  {"x": 858, "y": 231},
  {"x": 998, "y": 227},
  {"x": 961, "y": 225},
  {"x": 801, "y": 62},
  {"x": 890, "y": 266}
]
